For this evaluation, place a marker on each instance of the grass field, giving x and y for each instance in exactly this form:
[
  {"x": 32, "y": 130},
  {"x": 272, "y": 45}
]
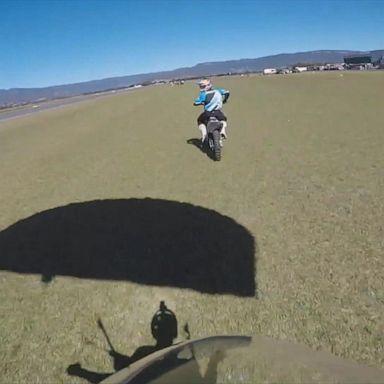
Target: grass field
[{"x": 301, "y": 176}]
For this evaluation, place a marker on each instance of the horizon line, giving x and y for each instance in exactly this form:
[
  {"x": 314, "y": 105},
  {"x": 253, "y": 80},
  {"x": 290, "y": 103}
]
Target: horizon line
[{"x": 187, "y": 67}]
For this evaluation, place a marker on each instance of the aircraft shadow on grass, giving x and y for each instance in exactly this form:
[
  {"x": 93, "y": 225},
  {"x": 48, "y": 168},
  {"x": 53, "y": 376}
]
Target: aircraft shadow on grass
[{"x": 147, "y": 241}]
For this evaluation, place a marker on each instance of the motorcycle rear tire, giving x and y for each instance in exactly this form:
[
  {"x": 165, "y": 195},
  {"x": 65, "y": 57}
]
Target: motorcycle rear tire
[{"x": 216, "y": 145}]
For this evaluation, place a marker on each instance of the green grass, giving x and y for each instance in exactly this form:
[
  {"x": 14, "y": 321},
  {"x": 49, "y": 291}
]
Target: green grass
[{"x": 302, "y": 170}]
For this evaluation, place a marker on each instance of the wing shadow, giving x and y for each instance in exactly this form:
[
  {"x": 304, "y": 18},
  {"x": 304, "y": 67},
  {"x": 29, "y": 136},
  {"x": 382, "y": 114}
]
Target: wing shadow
[{"x": 148, "y": 241}]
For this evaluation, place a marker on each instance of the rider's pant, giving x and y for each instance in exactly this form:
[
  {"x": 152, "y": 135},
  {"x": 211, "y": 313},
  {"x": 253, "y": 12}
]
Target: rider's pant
[{"x": 204, "y": 117}]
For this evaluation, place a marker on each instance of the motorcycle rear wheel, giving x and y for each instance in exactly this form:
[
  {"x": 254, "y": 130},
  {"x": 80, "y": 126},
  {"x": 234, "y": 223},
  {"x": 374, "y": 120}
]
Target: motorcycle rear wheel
[{"x": 216, "y": 145}]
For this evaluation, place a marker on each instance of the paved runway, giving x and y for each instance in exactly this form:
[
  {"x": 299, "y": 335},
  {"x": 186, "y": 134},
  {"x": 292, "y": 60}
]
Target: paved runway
[{"x": 52, "y": 104}]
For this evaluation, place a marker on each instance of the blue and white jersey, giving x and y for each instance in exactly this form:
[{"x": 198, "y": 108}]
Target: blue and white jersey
[{"x": 212, "y": 99}]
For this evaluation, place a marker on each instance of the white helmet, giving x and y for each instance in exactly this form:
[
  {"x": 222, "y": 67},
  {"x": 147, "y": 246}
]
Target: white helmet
[{"x": 205, "y": 84}]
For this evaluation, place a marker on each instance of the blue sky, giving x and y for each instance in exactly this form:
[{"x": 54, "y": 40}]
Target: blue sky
[{"x": 54, "y": 42}]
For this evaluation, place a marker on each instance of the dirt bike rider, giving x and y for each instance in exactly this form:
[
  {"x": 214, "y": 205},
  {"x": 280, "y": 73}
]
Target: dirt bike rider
[{"x": 213, "y": 100}]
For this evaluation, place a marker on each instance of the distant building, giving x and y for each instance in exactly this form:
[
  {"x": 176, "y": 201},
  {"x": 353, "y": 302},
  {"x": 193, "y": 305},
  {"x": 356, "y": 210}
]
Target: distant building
[
  {"x": 358, "y": 59},
  {"x": 284, "y": 71},
  {"x": 300, "y": 69},
  {"x": 358, "y": 62},
  {"x": 334, "y": 67},
  {"x": 269, "y": 71}
]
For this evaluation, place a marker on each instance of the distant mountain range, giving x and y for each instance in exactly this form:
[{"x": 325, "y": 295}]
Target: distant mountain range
[{"x": 23, "y": 95}]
